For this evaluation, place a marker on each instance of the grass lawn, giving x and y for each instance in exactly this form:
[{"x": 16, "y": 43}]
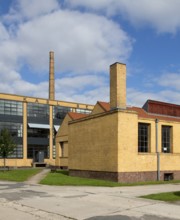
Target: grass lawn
[
  {"x": 169, "y": 197},
  {"x": 18, "y": 175},
  {"x": 61, "y": 178}
]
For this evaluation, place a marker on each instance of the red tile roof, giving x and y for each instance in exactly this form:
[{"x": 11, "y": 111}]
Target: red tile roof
[
  {"x": 75, "y": 115},
  {"x": 162, "y": 108},
  {"x": 142, "y": 113},
  {"x": 104, "y": 105}
]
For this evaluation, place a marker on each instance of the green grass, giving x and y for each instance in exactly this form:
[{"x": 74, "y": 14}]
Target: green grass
[
  {"x": 18, "y": 175},
  {"x": 62, "y": 178},
  {"x": 169, "y": 197}
]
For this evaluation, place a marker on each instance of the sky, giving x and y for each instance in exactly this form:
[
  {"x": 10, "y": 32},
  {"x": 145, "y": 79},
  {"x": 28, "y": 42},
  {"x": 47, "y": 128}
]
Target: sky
[{"x": 87, "y": 36}]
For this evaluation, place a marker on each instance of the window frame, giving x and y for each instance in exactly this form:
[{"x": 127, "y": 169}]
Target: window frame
[
  {"x": 144, "y": 137},
  {"x": 166, "y": 141}
]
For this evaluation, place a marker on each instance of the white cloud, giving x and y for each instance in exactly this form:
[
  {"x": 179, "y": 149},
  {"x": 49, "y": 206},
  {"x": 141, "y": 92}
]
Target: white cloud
[
  {"x": 165, "y": 88},
  {"x": 25, "y": 9},
  {"x": 163, "y": 15},
  {"x": 84, "y": 44},
  {"x": 83, "y": 88},
  {"x": 171, "y": 80},
  {"x": 138, "y": 97},
  {"x": 4, "y": 35}
]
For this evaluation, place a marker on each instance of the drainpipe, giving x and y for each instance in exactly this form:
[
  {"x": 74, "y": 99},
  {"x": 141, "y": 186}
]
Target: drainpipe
[{"x": 157, "y": 152}]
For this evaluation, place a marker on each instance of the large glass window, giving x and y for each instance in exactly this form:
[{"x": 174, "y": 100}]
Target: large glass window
[
  {"x": 166, "y": 139},
  {"x": 10, "y": 107},
  {"x": 38, "y": 132},
  {"x": 33, "y": 151},
  {"x": 59, "y": 112},
  {"x": 143, "y": 137},
  {"x": 38, "y": 110},
  {"x": 15, "y": 129},
  {"x": 18, "y": 152},
  {"x": 84, "y": 111}
]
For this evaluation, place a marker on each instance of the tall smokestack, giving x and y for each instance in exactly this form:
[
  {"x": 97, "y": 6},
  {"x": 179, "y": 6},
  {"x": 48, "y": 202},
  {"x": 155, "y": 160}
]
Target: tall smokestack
[
  {"x": 51, "y": 76},
  {"x": 118, "y": 86}
]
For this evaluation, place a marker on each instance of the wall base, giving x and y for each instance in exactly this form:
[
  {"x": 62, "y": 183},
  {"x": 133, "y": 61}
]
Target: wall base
[{"x": 124, "y": 177}]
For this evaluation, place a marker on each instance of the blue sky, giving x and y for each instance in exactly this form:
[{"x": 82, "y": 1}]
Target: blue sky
[{"x": 87, "y": 37}]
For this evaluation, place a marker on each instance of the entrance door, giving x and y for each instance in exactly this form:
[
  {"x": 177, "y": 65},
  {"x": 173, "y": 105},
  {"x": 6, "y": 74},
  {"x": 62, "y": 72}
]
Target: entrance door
[
  {"x": 39, "y": 156},
  {"x": 37, "y": 153}
]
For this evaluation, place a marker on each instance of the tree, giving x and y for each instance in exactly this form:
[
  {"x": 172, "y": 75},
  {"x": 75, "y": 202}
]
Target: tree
[{"x": 7, "y": 144}]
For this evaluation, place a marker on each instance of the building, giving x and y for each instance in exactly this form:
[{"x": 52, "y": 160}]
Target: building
[
  {"x": 122, "y": 143},
  {"x": 33, "y": 123}
]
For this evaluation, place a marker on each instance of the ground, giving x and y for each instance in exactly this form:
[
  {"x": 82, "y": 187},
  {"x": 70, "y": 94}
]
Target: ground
[{"x": 32, "y": 201}]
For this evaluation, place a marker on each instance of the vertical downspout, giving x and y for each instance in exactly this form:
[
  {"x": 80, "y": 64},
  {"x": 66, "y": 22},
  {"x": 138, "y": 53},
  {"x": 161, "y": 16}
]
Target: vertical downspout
[{"x": 157, "y": 152}]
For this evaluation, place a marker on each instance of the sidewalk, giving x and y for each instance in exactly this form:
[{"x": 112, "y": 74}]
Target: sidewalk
[{"x": 38, "y": 177}]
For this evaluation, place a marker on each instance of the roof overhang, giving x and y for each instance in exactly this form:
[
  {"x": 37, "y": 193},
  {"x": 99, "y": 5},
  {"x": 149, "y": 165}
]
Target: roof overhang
[{"x": 42, "y": 126}]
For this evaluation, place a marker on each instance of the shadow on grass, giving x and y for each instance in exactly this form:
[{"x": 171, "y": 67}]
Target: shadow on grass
[
  {"x": 177, "y": 193},
  {"x": 63, "y": 172}
]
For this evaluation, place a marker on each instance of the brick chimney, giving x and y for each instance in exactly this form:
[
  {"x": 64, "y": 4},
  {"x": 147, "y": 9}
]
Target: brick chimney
[
  {"x": 51, "y": 76},
  {"x": 118, "y": 86}
]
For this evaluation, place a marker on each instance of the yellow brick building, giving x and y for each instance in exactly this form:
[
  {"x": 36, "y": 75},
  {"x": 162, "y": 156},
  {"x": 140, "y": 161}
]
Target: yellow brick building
[
  {"x": 121, "y": 143},
  {"x": 33, "y": 123}
]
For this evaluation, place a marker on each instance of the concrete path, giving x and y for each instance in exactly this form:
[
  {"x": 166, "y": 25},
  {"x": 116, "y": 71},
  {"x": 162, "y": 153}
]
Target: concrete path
[
  {"x": 38, "y": 177},
  {"x": 31, "y": 202}
]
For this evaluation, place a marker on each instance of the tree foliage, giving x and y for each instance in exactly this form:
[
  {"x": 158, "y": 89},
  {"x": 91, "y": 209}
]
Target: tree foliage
[{"x": 7, "y": 144}]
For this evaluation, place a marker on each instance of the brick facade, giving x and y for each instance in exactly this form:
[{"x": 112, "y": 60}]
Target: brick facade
[{"x": 124, "y": 177}]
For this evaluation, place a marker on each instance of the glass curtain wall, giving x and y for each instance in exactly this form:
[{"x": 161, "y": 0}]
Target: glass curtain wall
[
  {"x": 11, "y": 117},
  {"x": 38, "y": 137}
]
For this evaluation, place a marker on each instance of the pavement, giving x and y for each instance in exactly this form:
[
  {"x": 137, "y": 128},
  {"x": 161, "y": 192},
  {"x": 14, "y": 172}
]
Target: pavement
[
  {"x": 38, "y": 177},
  {"x": 32, "y": 201}
]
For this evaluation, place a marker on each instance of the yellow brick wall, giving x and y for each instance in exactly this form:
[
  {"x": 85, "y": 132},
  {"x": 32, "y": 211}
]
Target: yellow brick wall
[
  {"x": 23, "y": 162},
  {"x": 62, "y": 136},
  {"x": 110, "y": 143},
  {"x": 118, "y": 85},
  {"x": 16, "y": 162},
  {"x": 93, "y": 144},
  {"x": 97, "y": 109},
  {"x": 132, "y": 161}
]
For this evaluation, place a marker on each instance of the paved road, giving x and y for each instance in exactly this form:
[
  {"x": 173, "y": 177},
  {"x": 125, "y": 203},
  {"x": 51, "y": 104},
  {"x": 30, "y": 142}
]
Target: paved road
[{"x": 28, "y": 201}]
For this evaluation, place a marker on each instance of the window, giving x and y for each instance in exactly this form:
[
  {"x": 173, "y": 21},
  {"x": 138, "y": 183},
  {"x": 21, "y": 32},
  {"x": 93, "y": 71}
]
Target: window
[
  {"x": 8, "y": 107},
  {"x": 168, "y": 176},
  {"x": 54, "y": 152},
  {"x": 33, "y": 151},
  {"x": 17, "y": 153},
  {"x": 59, "y": 112},
  {"x": 62, "y": 148},
  {"x": 38, "y": 110},
  {"x": 15, "y": 129},
  {"x": 83, "y": 111},
  {"x": 38, "y": 133},
  {"x": 143, "y": 137},
  {"x": 166, "y": 139}
]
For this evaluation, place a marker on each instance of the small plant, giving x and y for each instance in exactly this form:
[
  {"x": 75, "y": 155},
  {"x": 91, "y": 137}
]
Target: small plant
[{"x": 7, "y": 145}]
